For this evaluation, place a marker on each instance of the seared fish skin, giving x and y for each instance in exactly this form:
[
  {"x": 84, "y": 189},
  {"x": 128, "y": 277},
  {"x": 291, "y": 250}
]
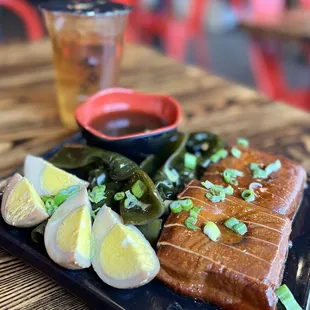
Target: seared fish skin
[
  {"x": 282, "y": 190},
  {"x": 237, "y": 272}
]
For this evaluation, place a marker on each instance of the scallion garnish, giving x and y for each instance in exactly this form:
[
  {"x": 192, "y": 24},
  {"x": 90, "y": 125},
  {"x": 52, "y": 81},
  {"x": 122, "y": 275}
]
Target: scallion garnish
[
  {"x": 240, "y": 228},
  {"x": 229, "y": 190},
  {"x": 97, "y": 194},
  {"x": 243, "y": 142},
  {"x": 194, "y": 212},
  {"x": 254, "y": 166},
  {"x": 119, "y": 196},
  {"x": 190, "y": 161},
  {"x": 64, "y": 194},
  {"x": 217, "y": 192},
  {"x": 231, "y": 222},
  {"x": 230, "y": 176},
  {"x": 214, "y": 198},
  {"x": 186, "y": 204},
  {"x": 131, "y": 201},
  {"x": 248, "y": 195},
  {"x": 205, "y": 164},
  {"x": 172, "y": 175},
  {"x": 207, "y": 184},
  {"x": 287, "y": 298},
  {"x": 273, "y": 167},
  {"x": 235, "y": 152},
  {"x": 175, "y": 207},
  {"x": 259, "y": 173},
  {"x": 217, "y": 156},
  {"x": 138, "y": 189},
  {"x": 190, "y": 223},
  {"x": 51, "y": 203},
  {"x": 254, "y": 185},
  {"x": 94, "y": 212},
  {"x": 50, "y": 206},
  {"x": 212, "y": 231}
]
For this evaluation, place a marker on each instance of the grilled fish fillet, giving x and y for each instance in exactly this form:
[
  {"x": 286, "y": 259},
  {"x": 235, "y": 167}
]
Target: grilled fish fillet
[{"x": 237, "y": 272}]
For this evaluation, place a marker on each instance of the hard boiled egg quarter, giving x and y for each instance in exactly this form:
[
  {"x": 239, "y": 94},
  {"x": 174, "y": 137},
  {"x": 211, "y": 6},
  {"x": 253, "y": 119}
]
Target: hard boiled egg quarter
[
  {"x": 123, "y": 257},
  {"x": 21, "y": 205},
  {"x": 67, "y": 235},
  {"x": 47, "y": 179}
]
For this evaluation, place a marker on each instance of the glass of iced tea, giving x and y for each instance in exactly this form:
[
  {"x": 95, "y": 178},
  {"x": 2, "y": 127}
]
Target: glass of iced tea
[{"x": 87, "y": 40}]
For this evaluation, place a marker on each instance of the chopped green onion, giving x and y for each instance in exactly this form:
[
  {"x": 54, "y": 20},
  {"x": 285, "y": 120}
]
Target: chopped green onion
[
  {"x": 287, "y": 298},
  {"x": 254, "y": 166},
  {"x": 230, "y": 176},
  {"x": 97, "y": 194},
  {"x": 248, "y": 195},
  {"x": 206, "y": 163},
  {"x": 273, "y": 167},
  {"x": 217, "y": 156},
  {"x": 50, "y": 206},
  {"x": 119, "y": 196},
  {"x": 131, "y": 201},
  {"x": 229, "y": 190},
  {"x": 212, "y": 231},
  {"x": 255, "y": 185},
  {"x": 207, "y": 184},
  {"x": 231, "y": 222},
  {"x": 190, "y": 223},
  {"x": 94, "y": 212},
  {"x": 194, "y": 212},
  {"x": 138, "y": 189},
  {"x": 64, "y": 194},
  {"x": 172, "y": 175},
  {"x": 175, "y": 207},
  {"x": 235, "y": 152},
  {"x": 213, "y": 198},
  {"x": 44, "y": 198},
  {"x": 192, "y": 220},
  {"x": 260, "y": 174},
  {"x": 186, "y": 204},
  {"x": 243, "y": 142},
  {"x": 190, "y": 161},
  {"x": 216, "y": 189},
  {"x": 240, "y": 228}
]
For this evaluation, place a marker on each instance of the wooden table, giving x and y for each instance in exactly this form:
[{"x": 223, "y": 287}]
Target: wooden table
[
  {"x": 289, "y": 25},
  {"x": 29, "y": 123}
]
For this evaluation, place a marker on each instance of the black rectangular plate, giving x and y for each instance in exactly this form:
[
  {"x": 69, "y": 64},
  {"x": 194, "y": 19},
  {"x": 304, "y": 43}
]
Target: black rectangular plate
[{"x": 154, "y": 296}]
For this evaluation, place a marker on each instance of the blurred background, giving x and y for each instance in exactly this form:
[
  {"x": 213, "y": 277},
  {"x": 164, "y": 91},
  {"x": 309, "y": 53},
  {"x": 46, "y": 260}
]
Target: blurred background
[{"x": 263, "y": 44}]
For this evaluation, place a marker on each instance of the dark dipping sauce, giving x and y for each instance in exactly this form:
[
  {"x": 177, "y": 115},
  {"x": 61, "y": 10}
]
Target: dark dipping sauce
[{"x": 122, "y": 123}]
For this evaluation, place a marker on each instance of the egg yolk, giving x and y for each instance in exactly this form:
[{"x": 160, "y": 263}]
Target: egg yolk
[
  {"x": 54, "y": 179},
  {"x": 22, "y": 201},
  {"x": 124, "y": 253},
  {"x": 74, "y": 232}
]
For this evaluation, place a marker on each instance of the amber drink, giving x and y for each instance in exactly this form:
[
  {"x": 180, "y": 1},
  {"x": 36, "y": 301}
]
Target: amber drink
[{"x": 87, "y": 40}]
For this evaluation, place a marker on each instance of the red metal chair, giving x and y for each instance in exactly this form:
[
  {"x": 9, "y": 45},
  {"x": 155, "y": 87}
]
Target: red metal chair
[
  {"x": 265, "y": 59},
  {"x": 174, "y": 34},
  {"x": 28, "y": 15}
]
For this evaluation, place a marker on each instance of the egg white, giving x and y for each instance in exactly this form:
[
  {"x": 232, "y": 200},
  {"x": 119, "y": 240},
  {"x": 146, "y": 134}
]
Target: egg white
[
  {"x": 105, "y": 220},
  {"x": 33, "y": 170},
  {"x": 35, "y": 216},
  {"x": 67, "y": 259}
]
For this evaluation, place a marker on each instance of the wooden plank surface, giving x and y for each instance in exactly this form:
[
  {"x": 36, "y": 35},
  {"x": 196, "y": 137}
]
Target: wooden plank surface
[{"x": 29, "y": 123}]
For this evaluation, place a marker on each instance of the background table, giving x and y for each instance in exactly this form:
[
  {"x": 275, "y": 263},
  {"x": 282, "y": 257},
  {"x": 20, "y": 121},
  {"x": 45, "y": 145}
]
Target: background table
[{"x": 29, "y": 124}]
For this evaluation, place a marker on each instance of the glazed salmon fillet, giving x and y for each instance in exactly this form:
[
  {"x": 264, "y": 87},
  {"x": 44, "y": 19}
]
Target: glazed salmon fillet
[
  {"x": 282, "y": 190},
  {"x": 237, "y": 272}
]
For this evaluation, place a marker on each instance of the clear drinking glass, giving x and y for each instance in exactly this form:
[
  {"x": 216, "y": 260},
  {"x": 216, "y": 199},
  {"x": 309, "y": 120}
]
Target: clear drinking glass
[{"x": 87, "y": 39}]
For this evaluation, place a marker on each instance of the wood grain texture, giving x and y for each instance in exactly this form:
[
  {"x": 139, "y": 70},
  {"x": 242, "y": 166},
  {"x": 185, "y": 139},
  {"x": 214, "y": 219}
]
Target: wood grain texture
[{"x": 29, "y": 123}]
